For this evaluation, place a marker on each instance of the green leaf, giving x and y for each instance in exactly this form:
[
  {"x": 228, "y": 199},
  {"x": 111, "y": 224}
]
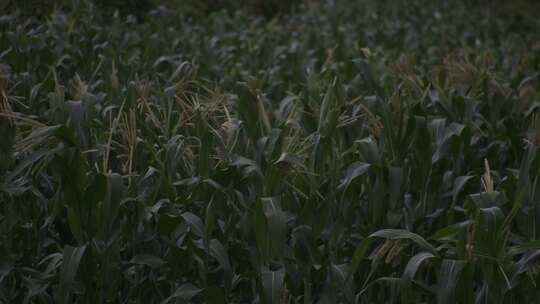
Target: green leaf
[
  {"x": 489, "y": 234},
  {"x": 195, "y": 223},
  {"x": 97, "y": 190},
  {"x": 447, "y": 233},
  {"x": 447, "y": 280},
  {"x": 67, "y": 135},
  {"x": 262, "y": 233},
  {"x": 395, "y": 176},
  {"x": 306, "y": 251},
  {"x": 326, "y": 107},
  {"x": 210, "y": 219},
  {"x": 148, "y": 260},
  {"x": 410, "y": 271},
  {"x": 291, "y": 160},
  {"x": 214, "y": 294},
  {"x": 353, "y": 171},
  {"x": 6, "y": 267},
  {"x": 185, "y": 292},
  {"x": 459, "y": 184},
  {"x": 111, "y": 205},
  {"x": 75, "y": 223},
  {"x": 272, "y": 282},
  {"x": 522, "y": 248},
  {"x": 369, "y": 151},
  {"x": 276, "y": 220},
  {"x": 71, "y": 259},
  {"x": 398, "y": 234},
  {"x": 220, "y": 254},
  {"x": 414, "y": 264},
  {"x": 488, "y": 199},
  {"x": 359, "y": 254}
]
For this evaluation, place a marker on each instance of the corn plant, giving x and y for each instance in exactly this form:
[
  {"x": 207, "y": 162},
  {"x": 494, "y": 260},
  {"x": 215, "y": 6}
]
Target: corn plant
[{"x": 338, "y": 152}]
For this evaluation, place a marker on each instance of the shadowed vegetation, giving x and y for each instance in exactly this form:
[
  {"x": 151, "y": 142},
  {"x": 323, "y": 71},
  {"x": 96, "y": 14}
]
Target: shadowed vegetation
[{"x": 335, "y": 152}]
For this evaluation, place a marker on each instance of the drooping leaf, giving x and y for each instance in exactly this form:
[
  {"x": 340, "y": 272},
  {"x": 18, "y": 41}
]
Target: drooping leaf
[
  {"x": 220, "y": 254},
  {"x": 195, "y": 223},
  {"x": 448, "y": 232},
  {"x": 410, "y": 271},
  {"x": 353, "y": 171},
  {"x": 185, "y": 292},
  {"x": 398, "y": 234}
]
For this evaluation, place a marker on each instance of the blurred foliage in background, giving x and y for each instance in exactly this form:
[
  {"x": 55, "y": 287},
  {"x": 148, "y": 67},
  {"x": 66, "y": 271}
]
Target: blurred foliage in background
[
  {"x": 140, "y": 8},
  {"x": 267, "y": 8},
  {"x": 327, "y": 151}
]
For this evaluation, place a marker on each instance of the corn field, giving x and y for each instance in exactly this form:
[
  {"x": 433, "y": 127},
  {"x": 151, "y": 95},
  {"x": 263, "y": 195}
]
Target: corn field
[{"x": 333, "y": 151}]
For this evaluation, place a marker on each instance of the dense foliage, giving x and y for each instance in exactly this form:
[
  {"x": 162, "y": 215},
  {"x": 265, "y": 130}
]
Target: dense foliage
[
  {"x": 350, "y": 152},
  {"x": 140, "y": 8}
]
